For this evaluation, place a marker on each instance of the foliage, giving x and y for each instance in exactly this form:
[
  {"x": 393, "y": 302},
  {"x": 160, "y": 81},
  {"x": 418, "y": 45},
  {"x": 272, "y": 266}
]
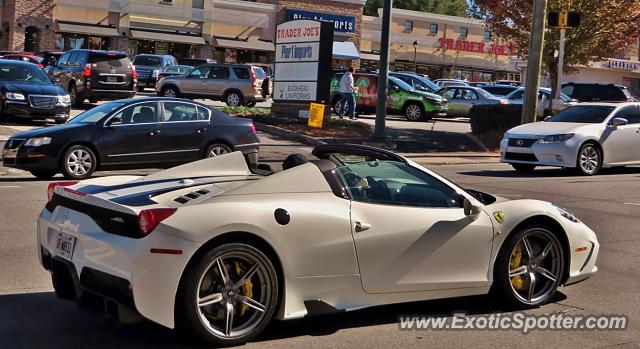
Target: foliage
[
  {"x": 445, "y": 7},
  {"x": 243, "y": 111}
]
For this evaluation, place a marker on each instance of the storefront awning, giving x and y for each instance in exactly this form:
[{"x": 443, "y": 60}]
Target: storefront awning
[
  {"x": 79, "y": 28},
  {"x": 184, "y": 39},
  {"x": 345, "y": 50},
  {"x": 256, "y": 45}
]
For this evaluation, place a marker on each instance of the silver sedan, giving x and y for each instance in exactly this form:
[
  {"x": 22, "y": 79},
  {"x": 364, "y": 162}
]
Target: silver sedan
[{"x": 462, "y": 98}]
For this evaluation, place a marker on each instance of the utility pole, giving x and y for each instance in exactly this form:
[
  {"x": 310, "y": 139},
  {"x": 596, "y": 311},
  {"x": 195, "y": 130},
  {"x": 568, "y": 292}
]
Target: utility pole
[
  {"x": 383, "y": 74},
  {"x": 415, "y": 56},
  {"x": 556, "y": 98},
  {"x": 534, "y": 62}
]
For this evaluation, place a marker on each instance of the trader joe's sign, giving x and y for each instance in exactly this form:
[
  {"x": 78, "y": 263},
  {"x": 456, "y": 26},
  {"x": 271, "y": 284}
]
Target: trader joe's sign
[{"x": 303, "y": 61}]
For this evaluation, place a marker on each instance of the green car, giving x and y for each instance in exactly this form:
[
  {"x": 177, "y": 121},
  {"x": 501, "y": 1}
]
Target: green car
[{"x": 402, "y": 99}]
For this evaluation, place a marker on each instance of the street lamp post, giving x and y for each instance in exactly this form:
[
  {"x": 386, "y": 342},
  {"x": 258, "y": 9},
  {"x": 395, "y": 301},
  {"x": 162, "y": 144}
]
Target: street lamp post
[
  {"x": 415, "y": 56},
  {"x": 381, "y": 105}
]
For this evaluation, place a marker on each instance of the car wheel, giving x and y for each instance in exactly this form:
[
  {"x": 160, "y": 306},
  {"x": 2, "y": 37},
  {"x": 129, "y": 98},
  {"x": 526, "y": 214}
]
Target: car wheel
[
  {"x": 337, "y": 108},
  {"x": 140, "y": 89},
  {"x": 523, "y": 168},
  {"x": 251, "y": 103},
  {"x": 227, "y": 296},
  {"x": 45, "y": 175},
  {"x": 217, "y": 149},
  {"x": 169, "y": 91},
  {"x": 78, "y": 162},
  {"x": 93, "y": 100},
  {"x": 529, "y": 267},
  {"x": 73, "y": 94},
  {"x": 589, "y": 159},
  {"x": 233, "y": 99},
  {"x": 414, "y": 112},
  {"x": 60, "y": 121}
]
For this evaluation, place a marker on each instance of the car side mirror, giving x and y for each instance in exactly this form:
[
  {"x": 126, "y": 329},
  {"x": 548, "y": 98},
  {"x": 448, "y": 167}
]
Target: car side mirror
[
  {"x": 618, "y": 122},
  {"x": 396, "y": 88},
  {"x": 113, "y": 121},
  {"x": 471, "y": 210},
  {"x": 547, "y": 118}
]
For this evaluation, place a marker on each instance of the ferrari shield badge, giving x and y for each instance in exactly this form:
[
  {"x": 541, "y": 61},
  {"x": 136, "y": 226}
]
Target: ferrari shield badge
[{"x": 499, "y": 216}]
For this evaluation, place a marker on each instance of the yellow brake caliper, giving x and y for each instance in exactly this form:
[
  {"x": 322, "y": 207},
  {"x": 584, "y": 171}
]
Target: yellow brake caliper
[
  {"x": 247, "y": 288},
  {"x": 516, "y": 259}
]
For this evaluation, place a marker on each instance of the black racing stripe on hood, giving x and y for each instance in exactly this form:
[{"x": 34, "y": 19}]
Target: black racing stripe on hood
[
  {"x": 93, "y": 189},
  {"x": 145, "y": 198}
]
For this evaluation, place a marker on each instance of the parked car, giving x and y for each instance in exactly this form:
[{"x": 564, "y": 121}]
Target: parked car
[
  {"x": 516, "y": 83},
  {"x": 588, "y": 92},
  {"x": 135, "y": 133},
  {"x": 416, "y": 81},
  {"x": 462, "y": 98},
  {"x": 149, "y": 66},
  {"x": 94, "y": 75},
  {"x": 267, "y": 82},
  {"x": 450, "y": 82},
  {"x": 25, "y": 57},
  {"x": 50, "y": 57},
  {"x": 586, "y": 137},
  {"x": 235, "y": 84},
  {"x": 498, "y": 90},
  {"x": 173, "y": 70},
  {"x": 195, "y": 62},
  {"x": 544, "y": 98},
  {"x": 27, "y": 92},
  {"x": 214, "y": 250},
  {"x": 402, "y": 99}
]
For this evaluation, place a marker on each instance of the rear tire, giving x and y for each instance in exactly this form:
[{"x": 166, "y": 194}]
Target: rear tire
[
  {"x": 78, "y": 162},
  {"x": 217, "y": 149},
  {"x": 523, "y": 168},
  {"x": 251, "y": 104},
  {"x": 44, "y": 175},
  {"x": 217, "y": 280},
  {"x": 140, "y": 89},
  {"x": 93, "y": 100},
  {"x": 76, "y": 100}
]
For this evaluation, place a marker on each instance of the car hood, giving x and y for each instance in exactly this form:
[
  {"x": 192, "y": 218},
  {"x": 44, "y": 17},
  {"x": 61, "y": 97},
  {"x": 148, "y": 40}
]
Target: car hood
[
  {"x": 546, "y": 128},
  {"x": 428, "y": 94},
  {"x": 32, "y": 88},
  {"x": 51, "y": 131}
]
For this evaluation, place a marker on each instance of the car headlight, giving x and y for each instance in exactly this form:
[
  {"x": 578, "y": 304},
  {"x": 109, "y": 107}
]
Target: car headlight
[
  {"x": 64, "y": 99},
  {"x": 155, "y": 73},
  {"x": 566, "y": 214},
  {"x": 556, "y": 138},
  {"x": 37, "y": 141},
  {"x": 14, "y": 96}
]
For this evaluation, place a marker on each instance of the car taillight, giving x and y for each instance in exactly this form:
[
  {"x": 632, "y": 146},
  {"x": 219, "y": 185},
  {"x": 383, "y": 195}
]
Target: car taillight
[
  {"x": 504, "y": 101},
  {"x": 41, "y": 66},
  {"x": 253, "y": 128},
  {"x": 52, "y": 187},
  {"x": 134, "y": 74},
  {"x": 87, "y": 71},
  {"x": 254, "y": 78},
  {"x": 148, "y": 220}
]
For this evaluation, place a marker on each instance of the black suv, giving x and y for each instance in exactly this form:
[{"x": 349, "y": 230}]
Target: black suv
[
  {"x": 148, "y": 67},
  {"x": 590, "y": 92},
  {"x": 94, "y": 75}
]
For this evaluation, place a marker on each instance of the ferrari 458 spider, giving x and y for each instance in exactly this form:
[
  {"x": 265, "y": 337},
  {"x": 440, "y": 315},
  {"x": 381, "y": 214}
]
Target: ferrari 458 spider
[{"x": 218, "y": 249}]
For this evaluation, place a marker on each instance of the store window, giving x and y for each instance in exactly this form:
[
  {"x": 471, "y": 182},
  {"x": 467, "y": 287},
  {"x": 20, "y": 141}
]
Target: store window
[
  {"x": 67, "y": 42},
  {"x": 408, "y": 26},
  {"x": 487, "y": 35},
  {"x": 464, "y": 32},
  {"x": 433, "y": 29}
]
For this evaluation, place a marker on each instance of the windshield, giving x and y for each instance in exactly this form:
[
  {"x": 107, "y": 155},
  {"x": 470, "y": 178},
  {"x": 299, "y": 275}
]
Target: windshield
[
  {"x": 432, "y": 87},
  {"x": 23, "y": 73},
  {"x": 403, "y": 85},
  {"x": 485, "y": 94},
  {"x": 587, "y": 114},
  {"x": 96, "y": 114},
  {"x": 147, "y": 60}
]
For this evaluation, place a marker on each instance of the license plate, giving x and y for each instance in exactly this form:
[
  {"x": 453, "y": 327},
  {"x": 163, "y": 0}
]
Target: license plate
[
  {"x": 112, "y": 79},
  {"x": 64, "y": 245}
]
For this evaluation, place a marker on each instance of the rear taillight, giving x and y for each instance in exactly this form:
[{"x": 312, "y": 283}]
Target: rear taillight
[
  {"x": 504, "y": 101},
  {"x": 52, "y": 187},
  {"x": 41, "y": 66},
  {"x": 253, "y": 128},
  {"x": 87, "y": 71},
  {"x": 254, "y": 78},
  {"x": 148, "y": 220},
  {"x": 134, "y": 73}
]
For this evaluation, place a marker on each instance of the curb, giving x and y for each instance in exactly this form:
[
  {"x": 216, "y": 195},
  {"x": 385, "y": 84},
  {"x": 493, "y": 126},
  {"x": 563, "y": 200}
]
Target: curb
[{"x": 288, "y": 134}]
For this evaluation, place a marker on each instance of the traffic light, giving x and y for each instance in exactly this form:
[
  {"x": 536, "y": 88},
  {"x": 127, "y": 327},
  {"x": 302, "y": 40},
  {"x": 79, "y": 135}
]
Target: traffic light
[{"x": 563, "y": 19}]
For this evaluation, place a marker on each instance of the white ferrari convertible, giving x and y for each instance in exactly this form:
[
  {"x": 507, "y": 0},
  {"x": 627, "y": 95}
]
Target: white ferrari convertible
[{"x": 218, "y": 249}]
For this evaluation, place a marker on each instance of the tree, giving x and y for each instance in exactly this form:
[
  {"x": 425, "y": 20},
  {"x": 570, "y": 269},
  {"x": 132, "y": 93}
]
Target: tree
[
  {"x": 445, "y": 7},
  {"x": 608, "y": 29}
]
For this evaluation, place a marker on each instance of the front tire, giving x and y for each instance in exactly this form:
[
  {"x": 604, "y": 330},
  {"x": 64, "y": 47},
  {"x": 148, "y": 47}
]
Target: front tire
[
  {"x": 414, "y": 112},
  {"x": 78, "y": 162},
  {"x": 169, "y": 91},
  {"x": 228, "y": 296},
  {"x": 589, "y": 160},
  {"x": 529, "y": 267},
  {"x": 44, "y": 175},
  {"x": 233, "y": 99},
  {"x": 523, "y": 168}
]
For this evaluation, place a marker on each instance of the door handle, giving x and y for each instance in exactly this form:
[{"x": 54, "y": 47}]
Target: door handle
[
  {"x": 360, "y": 226},
  {"x": 202, "y": 130},
  {"x": 153, "y": 133}
]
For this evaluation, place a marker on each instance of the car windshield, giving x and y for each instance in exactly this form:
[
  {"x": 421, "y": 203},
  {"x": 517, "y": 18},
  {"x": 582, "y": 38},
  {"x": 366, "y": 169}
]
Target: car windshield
[
  {"x": 96, "y": 114},
  {"x": 587, "y": 114},
  {"x": 403, "y": 85},
  {"x": 147, "y": 60},
  {"x": 485, "y": 94},
  {"x": 23, "y": 73}
]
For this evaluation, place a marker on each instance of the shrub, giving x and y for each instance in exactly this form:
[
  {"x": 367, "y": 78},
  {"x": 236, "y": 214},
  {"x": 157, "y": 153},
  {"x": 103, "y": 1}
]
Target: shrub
[{"x": 489, "y": 122}]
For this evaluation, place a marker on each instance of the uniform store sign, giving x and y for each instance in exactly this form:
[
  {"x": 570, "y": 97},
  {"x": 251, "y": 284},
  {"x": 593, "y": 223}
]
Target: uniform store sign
[
  {"x": 302, "y": 68},
  {"x": 341, "y": 24}
]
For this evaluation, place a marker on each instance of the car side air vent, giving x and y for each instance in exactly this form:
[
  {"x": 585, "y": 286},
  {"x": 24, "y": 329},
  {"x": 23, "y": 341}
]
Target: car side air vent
[
  {"x": 181, "y": 200},
  {"x": 190, "y": 196}
]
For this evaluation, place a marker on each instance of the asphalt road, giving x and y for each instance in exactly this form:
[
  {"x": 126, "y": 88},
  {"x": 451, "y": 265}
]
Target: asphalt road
[{"x": 31, "y": 316}]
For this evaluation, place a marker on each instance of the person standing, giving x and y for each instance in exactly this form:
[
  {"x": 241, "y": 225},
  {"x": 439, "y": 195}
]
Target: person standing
[{"x": 347, "y": 88}]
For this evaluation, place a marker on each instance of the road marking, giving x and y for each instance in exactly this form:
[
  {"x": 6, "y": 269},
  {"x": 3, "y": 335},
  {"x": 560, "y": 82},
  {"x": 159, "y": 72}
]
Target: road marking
[
  {"x": 9, "y": 186},
  {"x": 631, "y": 203}
]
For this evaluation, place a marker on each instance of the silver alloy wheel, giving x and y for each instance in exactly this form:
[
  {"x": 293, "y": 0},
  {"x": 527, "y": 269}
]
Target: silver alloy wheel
[
  {"x": 169, "y": 92},
  {"x": 589, "y": 159},
  {"x": 79, "y": 162},
  {"x": 233, "y": 294},
  {"x": 217, "y": 150},
  {"x": 233, "y": 99},
  {"x": 413, "y": 112},
  {"x": 535, "y": 266}
]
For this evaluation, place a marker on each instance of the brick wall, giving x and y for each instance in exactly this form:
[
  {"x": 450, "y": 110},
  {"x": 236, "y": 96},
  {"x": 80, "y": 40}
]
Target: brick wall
[{"x": 20, "y": 14}]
